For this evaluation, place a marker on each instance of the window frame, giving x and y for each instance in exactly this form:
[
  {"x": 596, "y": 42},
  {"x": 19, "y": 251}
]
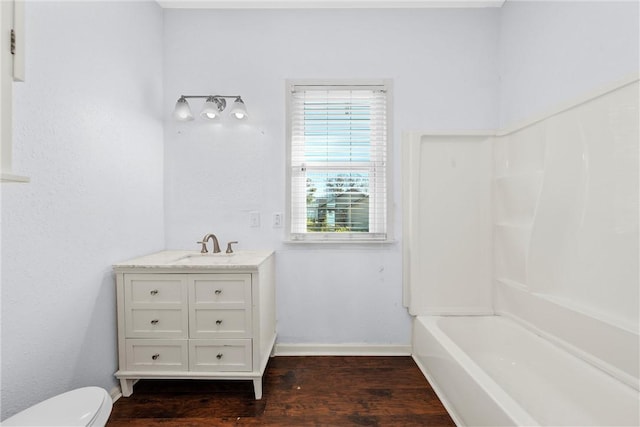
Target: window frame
[
  {"x": 339, "y": 237},
  {"x": 12, "y": 69}
]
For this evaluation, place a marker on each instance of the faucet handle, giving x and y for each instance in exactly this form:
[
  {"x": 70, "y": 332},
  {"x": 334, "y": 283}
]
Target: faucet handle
[
  {"x": 204, "y": 248},
  {"x": 229, "y": 248}
]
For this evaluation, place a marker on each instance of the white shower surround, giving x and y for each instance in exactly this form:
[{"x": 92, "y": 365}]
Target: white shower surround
[
  {"x": 565, "y": 211},
  {"x": 566, "y": 237}
]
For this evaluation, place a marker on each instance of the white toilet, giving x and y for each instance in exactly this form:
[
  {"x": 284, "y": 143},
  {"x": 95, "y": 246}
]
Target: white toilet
[{"x": 87, "y": 406}]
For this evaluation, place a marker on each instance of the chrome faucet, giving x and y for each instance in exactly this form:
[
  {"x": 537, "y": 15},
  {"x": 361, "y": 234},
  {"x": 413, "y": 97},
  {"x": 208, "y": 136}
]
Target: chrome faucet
[{"x": 205, "y": 240}]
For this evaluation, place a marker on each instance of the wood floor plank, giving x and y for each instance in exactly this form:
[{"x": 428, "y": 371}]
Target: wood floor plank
[{"x": 297, "y": 391}]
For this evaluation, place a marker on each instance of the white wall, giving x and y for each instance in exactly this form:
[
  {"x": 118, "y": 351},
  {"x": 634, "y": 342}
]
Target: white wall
[
  {"x": 88, "y": 132},
  {"x": 444, "y": 68},
  {"x": 554, "y": 51}
]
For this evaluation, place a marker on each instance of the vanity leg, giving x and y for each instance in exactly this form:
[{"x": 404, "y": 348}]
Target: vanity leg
[
  {"x": 127, "y": 386},
  {"x": 257, "y": 387}
]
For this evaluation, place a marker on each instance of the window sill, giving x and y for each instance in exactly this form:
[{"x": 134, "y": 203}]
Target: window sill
[
  {"x": 348, "y": 242},
  {"x": 9, "y": 177}
]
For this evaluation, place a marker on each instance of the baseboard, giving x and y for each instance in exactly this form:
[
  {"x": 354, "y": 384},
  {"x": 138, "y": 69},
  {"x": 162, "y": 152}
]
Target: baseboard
[
  {"x": 342, "y": 350},
  {"x": 116, "y": 392}
]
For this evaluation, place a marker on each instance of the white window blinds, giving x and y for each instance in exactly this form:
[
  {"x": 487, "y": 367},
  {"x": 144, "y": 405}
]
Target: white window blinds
[{"x": 338, "y": 162}]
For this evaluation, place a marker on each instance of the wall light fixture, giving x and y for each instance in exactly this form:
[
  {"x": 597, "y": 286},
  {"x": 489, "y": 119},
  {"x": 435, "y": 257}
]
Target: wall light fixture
[{"x": 213, "y": 107}]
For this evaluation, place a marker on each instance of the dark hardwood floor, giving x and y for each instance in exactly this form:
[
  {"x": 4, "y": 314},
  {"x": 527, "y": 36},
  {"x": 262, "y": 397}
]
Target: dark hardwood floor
[{"x": 298, "y": 391}]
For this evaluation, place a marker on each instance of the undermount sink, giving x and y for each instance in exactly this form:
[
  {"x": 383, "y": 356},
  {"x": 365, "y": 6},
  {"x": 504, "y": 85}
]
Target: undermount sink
[{"x": 204, "y": 259}]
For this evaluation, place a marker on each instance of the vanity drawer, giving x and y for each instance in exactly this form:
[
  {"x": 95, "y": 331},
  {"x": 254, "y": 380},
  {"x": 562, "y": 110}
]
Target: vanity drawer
[
  {"x": 217, "y": 323},
  {"x": 145, "y": 289},
  {"x": 220, "y": 290},
  {"x": 157, "y": 355},
  {"x": 154, "y": 323},
  {"x": 220, "y": 355}
]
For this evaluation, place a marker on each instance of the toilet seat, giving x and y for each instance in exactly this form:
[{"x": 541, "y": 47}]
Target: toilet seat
[{"x": 84, "y": 407}]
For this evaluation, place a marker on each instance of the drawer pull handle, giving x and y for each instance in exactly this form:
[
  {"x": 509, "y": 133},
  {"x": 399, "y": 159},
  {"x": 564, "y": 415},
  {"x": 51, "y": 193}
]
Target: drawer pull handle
[
  {"x": 218, "y": 291},
  {"x": 219, "y": 356},
  {"x": 154, "y": 322},
  {"x": 154, "y": 292},
  {"x": 155, "y": 356},
  {"x": 218, "y": 322}
]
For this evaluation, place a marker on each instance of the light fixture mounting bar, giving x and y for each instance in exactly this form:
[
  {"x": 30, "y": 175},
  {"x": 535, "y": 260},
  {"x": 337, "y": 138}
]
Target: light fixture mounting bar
[{"x": 209, "y": 96}]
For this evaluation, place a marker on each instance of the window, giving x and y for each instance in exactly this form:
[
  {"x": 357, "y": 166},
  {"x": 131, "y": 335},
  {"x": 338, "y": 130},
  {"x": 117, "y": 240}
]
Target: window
[{"x": 337, "y": 171}]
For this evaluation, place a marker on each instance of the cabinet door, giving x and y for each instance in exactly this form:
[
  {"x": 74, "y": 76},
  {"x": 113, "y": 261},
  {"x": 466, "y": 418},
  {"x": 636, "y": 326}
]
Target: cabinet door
[
  {"x": 220, "y": 306},
  {"x": 155, "y": 306}
]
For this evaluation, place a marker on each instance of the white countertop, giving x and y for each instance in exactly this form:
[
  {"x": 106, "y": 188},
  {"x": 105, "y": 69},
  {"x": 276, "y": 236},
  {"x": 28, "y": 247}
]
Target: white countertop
[{"x": 194, "y": 260}]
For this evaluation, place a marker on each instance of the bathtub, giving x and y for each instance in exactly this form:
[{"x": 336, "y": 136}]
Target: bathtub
[{"x": 489, "y": 370}]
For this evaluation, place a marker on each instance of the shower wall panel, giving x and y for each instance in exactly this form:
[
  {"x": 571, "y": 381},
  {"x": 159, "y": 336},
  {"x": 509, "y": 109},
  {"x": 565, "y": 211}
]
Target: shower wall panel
[
  {"x": 447, "y": 235},
  {"x": 566, "y": 223}
]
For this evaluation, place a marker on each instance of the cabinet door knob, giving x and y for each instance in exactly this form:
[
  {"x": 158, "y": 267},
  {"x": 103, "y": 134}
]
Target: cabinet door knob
[
  {"x": 155, "y": 356},
  {"x": 218, "y": 322},
  {"x": 219, "y": 356},
  {"x": 154, "y": 321},
  {"x": 218, "y": 291},
  {"x": 154, "y": 292}
]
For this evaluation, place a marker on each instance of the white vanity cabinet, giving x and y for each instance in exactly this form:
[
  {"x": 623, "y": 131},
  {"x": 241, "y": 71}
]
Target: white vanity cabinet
[{"x": 188, "y": 315}]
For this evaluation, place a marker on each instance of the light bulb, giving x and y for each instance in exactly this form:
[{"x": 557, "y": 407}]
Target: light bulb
[
  {"x": 212, "y": 108},
  {"x": 238, "y": 109}
]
